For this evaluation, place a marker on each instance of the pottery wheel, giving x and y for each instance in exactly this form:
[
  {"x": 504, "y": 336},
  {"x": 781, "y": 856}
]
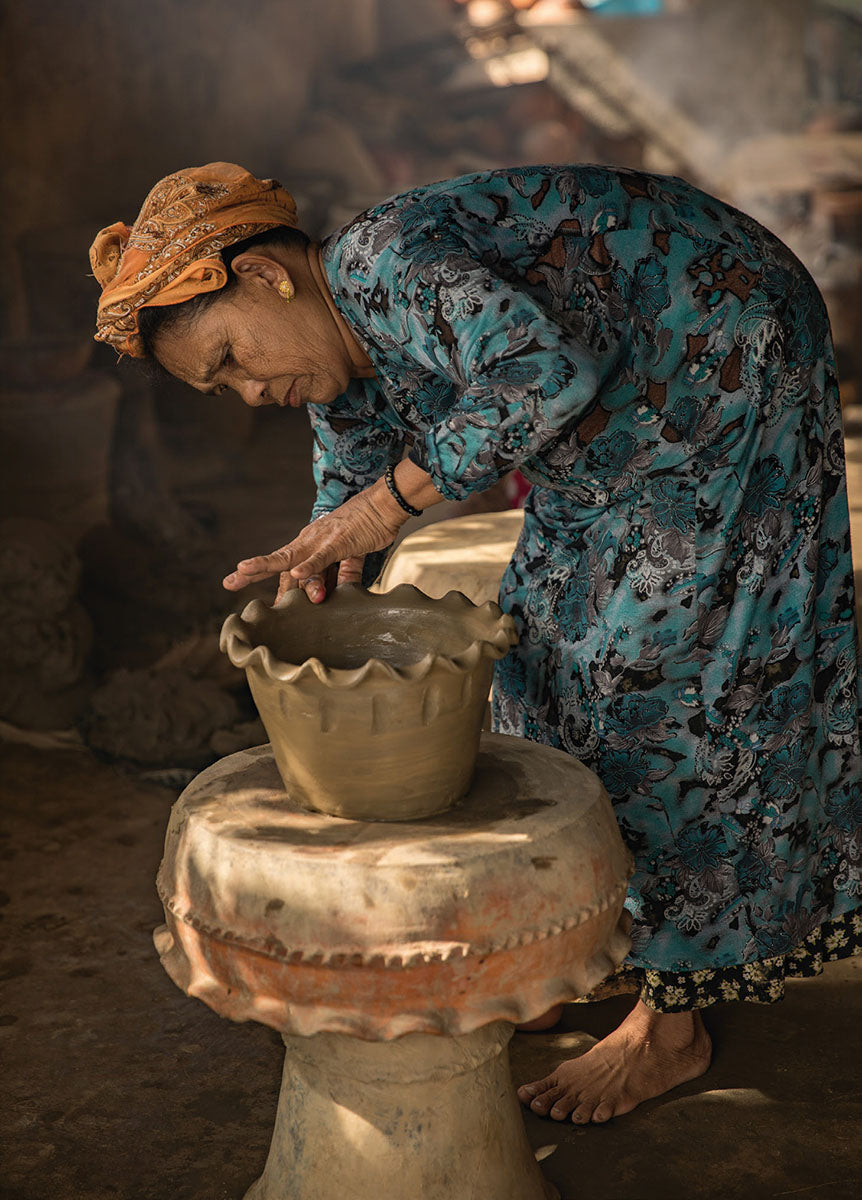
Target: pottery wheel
[{"x": 508, "y": 903}]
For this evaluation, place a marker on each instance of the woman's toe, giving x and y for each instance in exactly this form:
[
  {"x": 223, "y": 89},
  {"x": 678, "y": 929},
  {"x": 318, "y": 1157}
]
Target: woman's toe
[
  {"x": 603, "y": 1112},
  {"x": 528, "y": 1091},
  {"x": 562, "y": 1107},
  {"x": 542, "y": 1103}
]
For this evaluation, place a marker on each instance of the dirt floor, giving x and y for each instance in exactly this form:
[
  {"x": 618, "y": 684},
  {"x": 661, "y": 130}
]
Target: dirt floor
[{"x": 115, "y": 1084}]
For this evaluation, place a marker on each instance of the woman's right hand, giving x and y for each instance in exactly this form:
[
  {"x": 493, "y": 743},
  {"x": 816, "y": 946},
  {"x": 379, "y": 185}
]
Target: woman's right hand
[
  {"x": 349, "y": 571},
  {"x": 334, "y": 544}
]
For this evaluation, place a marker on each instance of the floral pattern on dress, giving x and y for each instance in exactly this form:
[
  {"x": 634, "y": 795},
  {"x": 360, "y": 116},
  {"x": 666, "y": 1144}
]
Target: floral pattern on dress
[
  {"x": 760, "y": 982},
  {"x": 660, "y": 367}
]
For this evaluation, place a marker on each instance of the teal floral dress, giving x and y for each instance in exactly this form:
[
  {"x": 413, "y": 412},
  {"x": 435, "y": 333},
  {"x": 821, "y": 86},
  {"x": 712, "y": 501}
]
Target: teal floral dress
[{"x": 659, "y": 366}]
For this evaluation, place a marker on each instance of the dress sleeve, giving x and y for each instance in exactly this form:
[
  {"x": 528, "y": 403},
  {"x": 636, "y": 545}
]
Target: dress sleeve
[
  {"x": 354, "y": 443},
  {"x": 520, "y": 372}
]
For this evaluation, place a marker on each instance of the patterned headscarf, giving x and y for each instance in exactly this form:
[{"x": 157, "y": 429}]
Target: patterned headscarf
[{"x": 172, "y": 252}]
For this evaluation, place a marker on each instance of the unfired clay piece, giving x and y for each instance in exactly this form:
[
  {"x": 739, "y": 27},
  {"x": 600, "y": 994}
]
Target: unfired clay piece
[
  {"x": 373, "y": 703},
  {"x": 39, "y": 569},
  {"x": 158, "y": 717}
]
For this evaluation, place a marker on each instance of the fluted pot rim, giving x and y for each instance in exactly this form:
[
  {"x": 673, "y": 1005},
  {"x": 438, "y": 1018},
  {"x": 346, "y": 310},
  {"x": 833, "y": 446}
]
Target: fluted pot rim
[{"x": 236, "y": 641}]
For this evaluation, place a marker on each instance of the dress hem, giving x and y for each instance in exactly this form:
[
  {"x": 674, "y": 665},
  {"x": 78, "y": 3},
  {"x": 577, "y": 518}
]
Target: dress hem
[{"x": 759, "y": 982}]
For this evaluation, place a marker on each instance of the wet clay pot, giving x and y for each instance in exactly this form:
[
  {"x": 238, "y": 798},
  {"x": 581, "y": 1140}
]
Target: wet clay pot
[
  {"x": 373, "y": 703},
  {"x": 467, "y": 554}
]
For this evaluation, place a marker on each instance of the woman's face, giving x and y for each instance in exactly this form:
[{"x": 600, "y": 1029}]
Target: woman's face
[{"x": 254, "y": 342}]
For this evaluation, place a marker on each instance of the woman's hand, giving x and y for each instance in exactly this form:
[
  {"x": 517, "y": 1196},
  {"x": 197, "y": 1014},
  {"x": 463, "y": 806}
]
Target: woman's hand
[
  {"x": 367, "y": 522},
  {"x": 349, "y": 570}
]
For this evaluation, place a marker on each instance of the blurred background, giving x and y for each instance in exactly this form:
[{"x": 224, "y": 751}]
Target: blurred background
[{"x": 124, "y": 498}]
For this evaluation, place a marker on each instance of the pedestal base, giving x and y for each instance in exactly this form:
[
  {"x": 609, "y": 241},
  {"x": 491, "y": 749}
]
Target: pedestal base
[{"x": 435, "y": 1117}]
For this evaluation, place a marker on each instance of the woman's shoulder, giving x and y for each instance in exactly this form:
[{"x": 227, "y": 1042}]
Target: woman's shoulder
[
  {"x": 508, "y": 196},
  {"x": 451, "y": 200},
  {"x": 396, "y": 227}
]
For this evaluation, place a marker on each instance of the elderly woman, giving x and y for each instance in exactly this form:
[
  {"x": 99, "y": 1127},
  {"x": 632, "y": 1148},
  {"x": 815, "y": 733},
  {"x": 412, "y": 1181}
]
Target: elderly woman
[{"x": 659, "y": 366}]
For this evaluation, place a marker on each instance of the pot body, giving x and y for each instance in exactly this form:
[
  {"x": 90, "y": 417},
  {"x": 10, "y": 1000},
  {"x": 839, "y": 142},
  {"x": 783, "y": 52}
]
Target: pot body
[
  {"x": 387, "y": 751},
  {"x": 373, "y": 702}
]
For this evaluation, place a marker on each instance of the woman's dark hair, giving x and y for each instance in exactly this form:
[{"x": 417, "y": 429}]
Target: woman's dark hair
[{"x": 157, "y": 318}]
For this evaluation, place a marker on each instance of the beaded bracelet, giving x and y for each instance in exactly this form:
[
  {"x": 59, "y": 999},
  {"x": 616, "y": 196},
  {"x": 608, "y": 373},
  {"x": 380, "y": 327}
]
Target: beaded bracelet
[{"x": 389, "y": 478}]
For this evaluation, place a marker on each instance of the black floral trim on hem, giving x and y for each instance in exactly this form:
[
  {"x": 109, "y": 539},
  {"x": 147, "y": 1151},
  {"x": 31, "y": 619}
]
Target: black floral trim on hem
[{"x": 759, "y": 982}]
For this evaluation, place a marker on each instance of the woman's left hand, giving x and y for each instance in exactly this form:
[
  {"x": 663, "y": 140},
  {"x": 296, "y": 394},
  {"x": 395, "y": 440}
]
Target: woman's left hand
[{"x": 367, "y": 522}]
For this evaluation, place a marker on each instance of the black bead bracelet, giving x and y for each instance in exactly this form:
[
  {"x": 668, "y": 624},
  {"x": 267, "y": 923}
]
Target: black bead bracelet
[{"x": 389, "y": 478}]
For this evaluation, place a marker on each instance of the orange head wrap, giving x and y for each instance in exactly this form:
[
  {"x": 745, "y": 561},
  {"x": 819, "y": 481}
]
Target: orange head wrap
[{"x": 172, "y": 252}]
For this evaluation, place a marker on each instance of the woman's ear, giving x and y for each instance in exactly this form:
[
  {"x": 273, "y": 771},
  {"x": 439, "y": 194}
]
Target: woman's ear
[{"x": 256, "y": 268}]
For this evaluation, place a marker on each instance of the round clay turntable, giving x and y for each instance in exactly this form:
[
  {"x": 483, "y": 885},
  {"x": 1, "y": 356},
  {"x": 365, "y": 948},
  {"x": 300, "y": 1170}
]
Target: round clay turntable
[{"x": 395, "y": 957}]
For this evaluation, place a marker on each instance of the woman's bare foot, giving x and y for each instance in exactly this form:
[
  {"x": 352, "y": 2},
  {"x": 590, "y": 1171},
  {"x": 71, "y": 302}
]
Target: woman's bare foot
[{"x": 648, "y": 1054}]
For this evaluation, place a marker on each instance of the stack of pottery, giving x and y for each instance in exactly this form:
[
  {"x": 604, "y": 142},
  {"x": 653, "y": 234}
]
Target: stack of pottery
[
  {"x": 392, "y": 891},
  {"x": 56, "y": 424}
]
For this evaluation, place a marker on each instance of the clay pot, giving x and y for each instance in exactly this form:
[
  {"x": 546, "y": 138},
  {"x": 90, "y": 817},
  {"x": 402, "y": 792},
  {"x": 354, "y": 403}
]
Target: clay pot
[
  {"x": 395, "y": 958},
  {"x": 373, "y": 703}
]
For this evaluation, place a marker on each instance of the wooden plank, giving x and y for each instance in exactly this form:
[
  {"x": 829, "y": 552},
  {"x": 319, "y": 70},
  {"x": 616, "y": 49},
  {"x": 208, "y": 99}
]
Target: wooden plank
[
  {"x": 802, "y": 162},
  {"x": 578, "y": 51}
]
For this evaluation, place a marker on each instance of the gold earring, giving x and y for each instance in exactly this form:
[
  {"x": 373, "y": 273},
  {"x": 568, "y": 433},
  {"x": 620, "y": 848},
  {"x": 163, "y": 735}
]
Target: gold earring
[{"x": 285, "y": 291}]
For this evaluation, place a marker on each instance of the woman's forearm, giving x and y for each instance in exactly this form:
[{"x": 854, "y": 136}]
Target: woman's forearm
[{"x": 415, "y": 485}]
